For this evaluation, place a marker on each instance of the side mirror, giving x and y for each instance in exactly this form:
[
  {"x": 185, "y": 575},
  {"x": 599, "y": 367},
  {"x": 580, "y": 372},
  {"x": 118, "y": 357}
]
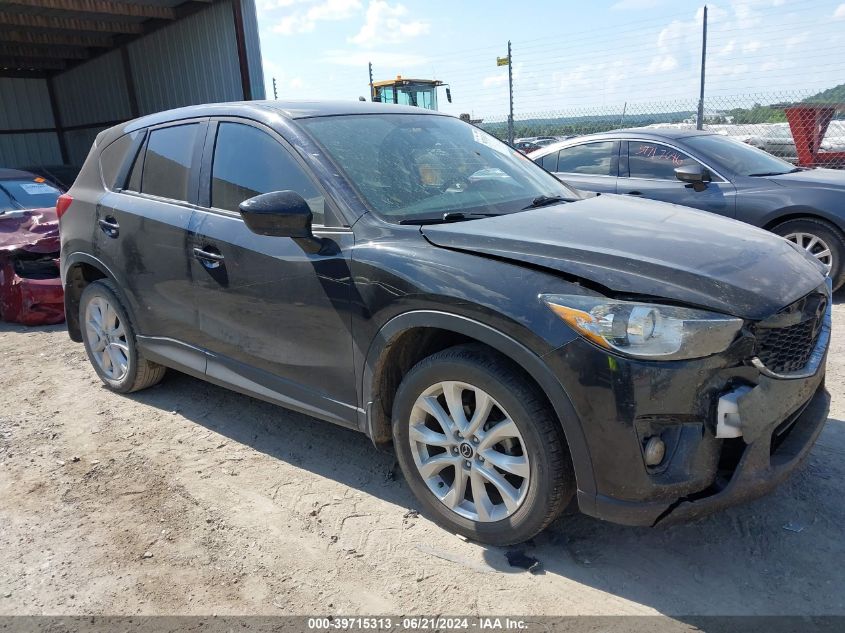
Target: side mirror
[
  {"x": 694, "y": 173},
  {"x": 281, "y": 214}
]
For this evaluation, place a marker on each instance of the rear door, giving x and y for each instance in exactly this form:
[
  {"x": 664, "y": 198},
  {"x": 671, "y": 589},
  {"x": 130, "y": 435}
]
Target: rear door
[
  {"x": 589, "y": 166},
  {"x": 143, "y": 222},
  {"x": 275, "y": 317},
  {"x": 647, "y": 170}
]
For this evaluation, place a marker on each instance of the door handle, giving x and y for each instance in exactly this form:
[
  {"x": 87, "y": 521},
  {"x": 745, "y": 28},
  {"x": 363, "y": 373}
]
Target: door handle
[
  {"x": 109, "y": 226},
  {"x": 635, "y": 193},
  {"x": 208, "y": 258}
]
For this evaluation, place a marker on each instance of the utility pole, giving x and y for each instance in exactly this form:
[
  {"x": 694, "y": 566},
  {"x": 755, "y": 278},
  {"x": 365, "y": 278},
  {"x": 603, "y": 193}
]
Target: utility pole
[
  {"x": 506, "y": 61},
  {"x": 275, "y": 92},
  {"x": 510, "y": 91},
  {"x": 700, "y": 122},
  {"x": 372, "y": 96}
]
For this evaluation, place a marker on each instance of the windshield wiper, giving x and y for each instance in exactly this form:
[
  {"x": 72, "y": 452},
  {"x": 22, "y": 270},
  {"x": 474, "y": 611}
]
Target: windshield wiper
[
  {"x": 449, "y": 216},
  {"x": 775, "y": 173},
  {"x": 543, "y": 201}
]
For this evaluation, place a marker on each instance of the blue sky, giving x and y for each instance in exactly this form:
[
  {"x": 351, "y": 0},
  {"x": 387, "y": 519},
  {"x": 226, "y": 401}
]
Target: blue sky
[{"x": 568, "y": 56}]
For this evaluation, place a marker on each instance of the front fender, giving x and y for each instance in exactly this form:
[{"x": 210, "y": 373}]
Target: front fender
[{"x": 509, "y": 347}]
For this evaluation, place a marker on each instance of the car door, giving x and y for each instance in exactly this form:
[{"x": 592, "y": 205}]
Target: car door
[
  {"x": 587, "y": 166},
  {"x": 143, "y": 222},
  {"x": 275, "y": 317},
  {"x": 647, "y": 169}
]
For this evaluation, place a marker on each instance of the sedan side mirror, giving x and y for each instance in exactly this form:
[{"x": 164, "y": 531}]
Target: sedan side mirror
[
  {"x": 695, "y": 174},
  {"x": 281, "y": 214}
]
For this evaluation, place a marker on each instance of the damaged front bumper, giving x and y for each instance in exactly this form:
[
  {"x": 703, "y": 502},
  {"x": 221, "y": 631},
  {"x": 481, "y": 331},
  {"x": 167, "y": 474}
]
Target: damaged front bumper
[{"x": 774, "y": 421}]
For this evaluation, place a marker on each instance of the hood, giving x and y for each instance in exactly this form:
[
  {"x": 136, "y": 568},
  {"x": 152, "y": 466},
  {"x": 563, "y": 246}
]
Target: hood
[
  {"x": 643, "y": 247},
  {"x": 827, "y": 178},
  {"x": 33, "y": 230}
]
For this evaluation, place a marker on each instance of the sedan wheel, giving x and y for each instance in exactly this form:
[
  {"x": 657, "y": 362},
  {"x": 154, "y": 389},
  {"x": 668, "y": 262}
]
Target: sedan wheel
[
  {"x": 814, "y": 245},
  {"x": 468, "y": 451}
]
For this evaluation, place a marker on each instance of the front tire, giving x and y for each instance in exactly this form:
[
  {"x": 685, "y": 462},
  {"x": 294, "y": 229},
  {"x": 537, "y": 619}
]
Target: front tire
[
  {"x": 821, "y": 240},
  {"x": 109, "y": 339},
  {"x": 480, "y": 447}
]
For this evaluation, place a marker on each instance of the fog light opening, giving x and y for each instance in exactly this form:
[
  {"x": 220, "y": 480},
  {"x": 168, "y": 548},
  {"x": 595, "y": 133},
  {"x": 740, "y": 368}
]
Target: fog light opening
[{"x": 655, "y": 451}]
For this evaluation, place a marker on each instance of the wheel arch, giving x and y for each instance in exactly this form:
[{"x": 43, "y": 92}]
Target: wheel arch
[
  {"x": 80, "y": 270},
  {"x": 803, "y": 213},
  {"x": 430, "y": 331}
]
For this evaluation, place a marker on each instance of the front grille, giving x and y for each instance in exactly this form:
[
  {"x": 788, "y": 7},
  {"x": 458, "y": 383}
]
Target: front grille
[{"x": 786, "y": 341}]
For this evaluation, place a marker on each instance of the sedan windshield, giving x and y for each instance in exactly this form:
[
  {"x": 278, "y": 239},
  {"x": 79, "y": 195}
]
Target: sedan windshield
[
  {"x": 411, "y": 167},
  {"x": 27, "y": 194},
  {"x": 739, "y": 157}
]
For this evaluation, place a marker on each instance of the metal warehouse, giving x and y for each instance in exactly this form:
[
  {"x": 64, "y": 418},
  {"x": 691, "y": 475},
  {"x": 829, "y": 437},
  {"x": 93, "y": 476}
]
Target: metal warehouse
[{"x": 70, "y": 68}]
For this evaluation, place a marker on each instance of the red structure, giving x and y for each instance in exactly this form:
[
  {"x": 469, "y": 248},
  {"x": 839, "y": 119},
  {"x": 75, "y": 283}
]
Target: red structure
[
  {"x": 808, "y": 123},
  {"x": 30, "y": 289}
]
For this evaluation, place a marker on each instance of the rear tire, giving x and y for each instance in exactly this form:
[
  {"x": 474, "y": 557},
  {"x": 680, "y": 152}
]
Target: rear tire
[
  {"x": 109, "y": 339},
  {"x": 818, "y": 237},
  {"x": 521, "y": 473}
]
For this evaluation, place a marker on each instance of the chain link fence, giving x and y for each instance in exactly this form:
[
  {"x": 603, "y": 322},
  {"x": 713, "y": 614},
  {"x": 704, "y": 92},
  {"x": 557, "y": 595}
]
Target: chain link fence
[{"x": 804, "y": 129}]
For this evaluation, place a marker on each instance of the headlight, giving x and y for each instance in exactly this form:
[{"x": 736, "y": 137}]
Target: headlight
[{"x": 646, "y": 330}]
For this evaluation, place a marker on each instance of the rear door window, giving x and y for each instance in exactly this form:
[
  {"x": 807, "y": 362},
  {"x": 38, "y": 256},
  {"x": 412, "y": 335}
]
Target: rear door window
[
  {"x": 655, "y": 161},
  {"x": 249, "y": 162},
  {"x": 595, "y": 159},
  {"x": 167, "y": 165}
]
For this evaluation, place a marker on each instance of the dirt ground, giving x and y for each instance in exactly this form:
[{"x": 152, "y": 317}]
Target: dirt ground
[{"x": 191, "y": 499}]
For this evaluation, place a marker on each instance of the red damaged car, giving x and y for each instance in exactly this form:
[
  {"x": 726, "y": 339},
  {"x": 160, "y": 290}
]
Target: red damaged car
[{"x": 30, "y": 287}]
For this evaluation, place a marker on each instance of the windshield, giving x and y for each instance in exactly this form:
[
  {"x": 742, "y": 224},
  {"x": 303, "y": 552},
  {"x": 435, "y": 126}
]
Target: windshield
[
  {"x": 27, "y": 194},
  {"x": 739, "y": 157},
  {"x": 410, "y": 167}
]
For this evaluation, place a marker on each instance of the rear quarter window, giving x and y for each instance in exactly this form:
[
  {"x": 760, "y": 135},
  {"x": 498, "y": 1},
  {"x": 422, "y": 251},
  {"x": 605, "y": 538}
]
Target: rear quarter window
[{"x": 113, "y": 157}]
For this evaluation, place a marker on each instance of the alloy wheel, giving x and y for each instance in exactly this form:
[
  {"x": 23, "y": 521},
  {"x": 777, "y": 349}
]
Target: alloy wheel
[
  {"x": 815, "y": 246},
  {"x": 107, "y": 338},
  {"x": 469, "y": 452}
]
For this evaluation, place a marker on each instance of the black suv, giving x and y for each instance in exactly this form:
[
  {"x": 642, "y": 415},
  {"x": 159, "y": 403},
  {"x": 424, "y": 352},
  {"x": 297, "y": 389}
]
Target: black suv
[{"x": 403, "y": 273}]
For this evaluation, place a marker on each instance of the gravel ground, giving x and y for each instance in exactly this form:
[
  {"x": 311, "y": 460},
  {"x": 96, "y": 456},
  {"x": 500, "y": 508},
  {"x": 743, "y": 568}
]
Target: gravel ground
[{"x": 191, "y": 499}]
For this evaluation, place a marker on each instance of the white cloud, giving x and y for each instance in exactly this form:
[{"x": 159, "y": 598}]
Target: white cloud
[
  {"x": 662, "y": 64},
  {"x": 306, "y": 21},
  {"x": 495, "y": 80},
  {"x": 635, "y": 5},
  {"x": 379, "y": 59},
  {"x": 839, "y": 14},
  {"x": 386, "y": 24}
]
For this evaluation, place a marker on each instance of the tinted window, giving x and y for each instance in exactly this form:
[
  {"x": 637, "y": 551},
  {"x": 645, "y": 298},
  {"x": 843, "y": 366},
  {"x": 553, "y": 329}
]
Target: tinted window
[
  {"x": 590, "y": 158},
  {"x": 739, "y": 157},
  {"x": 248, "y": 162},
  {"x": 113, "y": 157},
  {"x": 653, "y": 160},
  {"x": 167, "y": 166},
  {"x": 549, "y": 161},
  {"x": 134, "y": 183}
]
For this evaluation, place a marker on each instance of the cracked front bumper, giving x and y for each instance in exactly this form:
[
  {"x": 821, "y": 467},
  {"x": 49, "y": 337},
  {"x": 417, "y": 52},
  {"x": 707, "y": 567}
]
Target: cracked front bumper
[{"x": 621, "y": 403}]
